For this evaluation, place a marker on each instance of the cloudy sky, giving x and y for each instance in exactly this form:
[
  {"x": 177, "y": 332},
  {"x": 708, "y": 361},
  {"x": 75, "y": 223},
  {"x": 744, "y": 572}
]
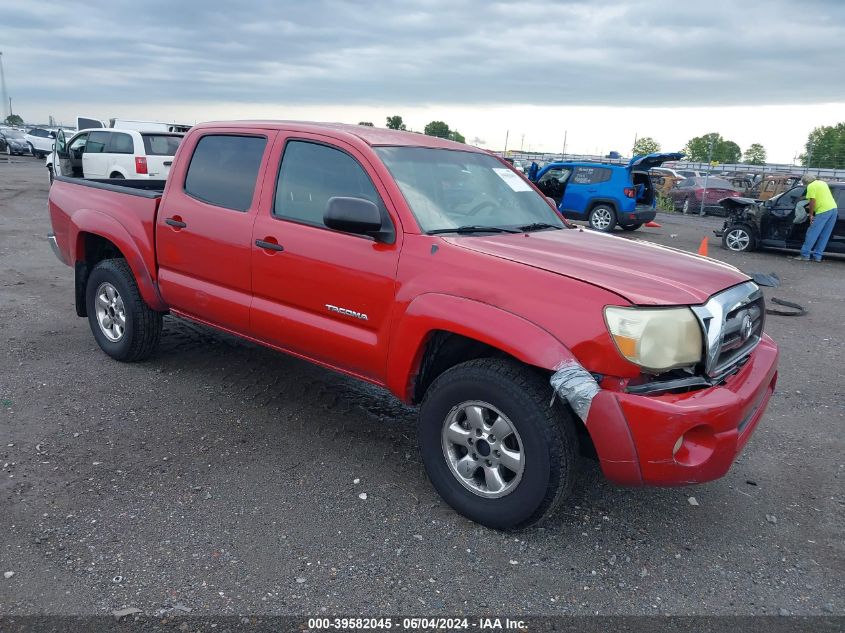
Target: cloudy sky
[{"x": 755, "y": 71}]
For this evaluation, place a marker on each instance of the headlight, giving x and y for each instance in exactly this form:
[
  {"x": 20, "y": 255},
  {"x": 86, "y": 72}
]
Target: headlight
[{"x": 656, "y": 339}]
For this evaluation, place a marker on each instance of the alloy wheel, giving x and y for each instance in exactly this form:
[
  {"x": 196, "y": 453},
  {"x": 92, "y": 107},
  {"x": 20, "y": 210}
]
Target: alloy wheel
[
  {"x": 483, "y": 449},
  {"x": 602, "y": 217},
  {"x": 737, "y": 239},
  {"x": 111, "y": 313}
]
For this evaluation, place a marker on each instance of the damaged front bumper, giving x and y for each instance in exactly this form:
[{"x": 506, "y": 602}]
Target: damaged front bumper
[{"x": 674, "y": 439}]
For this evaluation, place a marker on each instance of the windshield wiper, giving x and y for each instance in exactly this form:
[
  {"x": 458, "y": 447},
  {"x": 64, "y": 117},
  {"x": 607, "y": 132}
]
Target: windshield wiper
[
  {"x": 475, "y": 228},
  {"x": 538, "y": 226}
]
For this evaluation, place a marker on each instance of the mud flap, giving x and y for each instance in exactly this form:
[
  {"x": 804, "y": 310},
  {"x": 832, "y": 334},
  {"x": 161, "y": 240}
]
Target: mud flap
[{"x": 576, "y": 385}]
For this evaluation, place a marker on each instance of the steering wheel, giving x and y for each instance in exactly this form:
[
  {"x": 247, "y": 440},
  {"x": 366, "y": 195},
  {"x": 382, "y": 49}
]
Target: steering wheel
[{"x": 481, "y": 205}]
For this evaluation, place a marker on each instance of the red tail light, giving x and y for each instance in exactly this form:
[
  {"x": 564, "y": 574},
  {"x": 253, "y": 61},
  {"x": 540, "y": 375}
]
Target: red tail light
[
  {"x": 630, "y": 192},
  {"x": 141, "y": 165}
]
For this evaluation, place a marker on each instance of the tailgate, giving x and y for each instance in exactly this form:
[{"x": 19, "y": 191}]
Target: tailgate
[{"x": 159, "y": 166}]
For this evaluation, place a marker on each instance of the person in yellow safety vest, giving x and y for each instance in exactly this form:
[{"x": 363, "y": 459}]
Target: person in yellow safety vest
[{"x": 823, "y": 214}]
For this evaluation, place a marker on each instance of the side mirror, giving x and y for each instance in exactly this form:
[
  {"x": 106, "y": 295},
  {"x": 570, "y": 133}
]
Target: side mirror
[{"x": 357, "y": 216}]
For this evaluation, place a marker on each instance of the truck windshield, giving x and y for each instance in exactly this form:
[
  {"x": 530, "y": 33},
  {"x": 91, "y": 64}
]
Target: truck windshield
[{"x": 449, "y": 189}]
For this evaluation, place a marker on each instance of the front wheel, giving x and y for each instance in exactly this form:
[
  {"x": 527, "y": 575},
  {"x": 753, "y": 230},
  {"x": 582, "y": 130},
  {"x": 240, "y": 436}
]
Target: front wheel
[
  {"x": 602, "y": 218},
  {"x": 739, "y": 238},
  {"x": 124, "y": 327},
  {"x": 631, "y": 227},
  {"x": 493, "y": 447},
  {"x": 50, "y": 172}
]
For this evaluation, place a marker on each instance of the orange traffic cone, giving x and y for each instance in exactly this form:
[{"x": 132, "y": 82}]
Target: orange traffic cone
[
  {"x": 653, "y": 225},
  {"x": 702, "y": 248}
]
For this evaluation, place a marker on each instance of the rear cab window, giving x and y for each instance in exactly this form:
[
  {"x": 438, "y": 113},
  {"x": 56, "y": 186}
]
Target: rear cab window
[{"x": 224, "y": 169}]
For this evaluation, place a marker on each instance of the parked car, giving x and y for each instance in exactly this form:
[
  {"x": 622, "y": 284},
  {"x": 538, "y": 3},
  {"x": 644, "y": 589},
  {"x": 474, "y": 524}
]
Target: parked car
[
  {"x": 114, "y": 153},
  {"x": 433, "y": 269},
  {"x": 771, "y": 185},
  {"x": 689, "y": 173},
  {"x": 663, "y": 182},
  {"x": 13, "y": 142},
  {"x": 41, "y": 141},
  {"x": 666, "y": 171},
  {"x": 777, "y": 222},
  {"x": 687, "y": 195},
  {"x": 605, "y": 195}
]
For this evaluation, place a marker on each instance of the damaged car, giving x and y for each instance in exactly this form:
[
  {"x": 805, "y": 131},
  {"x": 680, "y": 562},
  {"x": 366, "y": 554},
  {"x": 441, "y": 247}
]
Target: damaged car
[{"x": 780, "y": 222}]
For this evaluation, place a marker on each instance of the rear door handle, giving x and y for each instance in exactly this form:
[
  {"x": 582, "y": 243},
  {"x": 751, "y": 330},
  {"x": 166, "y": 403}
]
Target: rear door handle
[
  {"x": 270, "y": 246},
  {"x": 176, "y": 223}
]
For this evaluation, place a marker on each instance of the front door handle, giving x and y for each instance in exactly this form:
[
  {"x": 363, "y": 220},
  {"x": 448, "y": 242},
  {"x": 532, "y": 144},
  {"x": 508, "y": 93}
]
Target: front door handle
[
  {"x": 175, "y": 222},
  {"x": 270, "y": 246}
]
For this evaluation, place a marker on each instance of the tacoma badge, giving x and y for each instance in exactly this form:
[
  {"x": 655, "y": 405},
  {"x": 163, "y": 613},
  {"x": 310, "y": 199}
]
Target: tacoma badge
[{"x": 352, "y": 313}]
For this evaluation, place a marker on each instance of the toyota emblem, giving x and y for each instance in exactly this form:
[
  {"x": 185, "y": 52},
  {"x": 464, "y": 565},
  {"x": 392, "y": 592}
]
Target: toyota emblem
[{"x": 747, "y": 327}]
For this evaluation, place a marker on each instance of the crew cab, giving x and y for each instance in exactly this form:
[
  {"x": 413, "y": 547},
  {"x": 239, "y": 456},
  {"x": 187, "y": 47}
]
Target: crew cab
[
  {"x": 433, "y": 269},
  {"x": 604, "y": 195}
]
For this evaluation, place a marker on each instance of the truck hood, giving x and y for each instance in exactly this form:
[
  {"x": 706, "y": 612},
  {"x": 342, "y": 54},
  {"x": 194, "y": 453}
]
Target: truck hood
[{"x": 641, "y": 272}]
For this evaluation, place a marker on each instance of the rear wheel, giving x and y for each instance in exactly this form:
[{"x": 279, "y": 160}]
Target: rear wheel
[
  {"x": 124, "y": 327},
  {"x": 117, "y": 176},
  {"x": 493, "y": 447},
  {"x": 631, "y": 227},
  {"x": 739, "y": 238},
  {"x": 50, "y": 172},
  {"x": 602, "y": 218}
]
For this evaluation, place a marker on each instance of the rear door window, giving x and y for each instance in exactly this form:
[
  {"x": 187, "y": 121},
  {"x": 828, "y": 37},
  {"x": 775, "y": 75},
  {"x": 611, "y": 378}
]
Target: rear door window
[
  {"x": 224, "y": 169},
  {"x": 97, "y": 142},
  {"x": 590, "y": 175},
  {"x": 161, "y": 144},
  {"x": 120, "y": 143}
]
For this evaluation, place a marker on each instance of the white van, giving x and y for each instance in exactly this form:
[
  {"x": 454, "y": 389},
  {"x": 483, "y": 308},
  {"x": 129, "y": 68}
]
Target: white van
[{"x": 114, "y": 153}]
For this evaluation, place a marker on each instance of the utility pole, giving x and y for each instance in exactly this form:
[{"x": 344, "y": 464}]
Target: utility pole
[
  {"x": 507, "y": 132},
  {"x": 634, "y": 145},
  {"x": 522, "y": 142},
  {"x": 706, "y": 176},
  {"x": 3, "y": 92},
  {"x": 565, "y": 132}
]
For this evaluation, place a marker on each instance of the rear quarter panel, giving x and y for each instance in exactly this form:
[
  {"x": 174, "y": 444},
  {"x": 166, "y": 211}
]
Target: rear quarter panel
[{"x": 126, "y": 220}]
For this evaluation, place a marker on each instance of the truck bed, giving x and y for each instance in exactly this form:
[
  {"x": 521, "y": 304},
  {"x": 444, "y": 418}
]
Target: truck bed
[{"x": 143, "y": 188}]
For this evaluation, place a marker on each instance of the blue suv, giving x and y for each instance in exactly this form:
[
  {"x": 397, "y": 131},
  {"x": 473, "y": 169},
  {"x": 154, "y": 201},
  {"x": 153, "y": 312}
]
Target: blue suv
[{"x": 604, "y": 195}]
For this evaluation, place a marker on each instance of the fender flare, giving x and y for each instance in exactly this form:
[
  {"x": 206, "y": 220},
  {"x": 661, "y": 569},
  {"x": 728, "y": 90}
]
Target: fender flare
[
  {"x": 105, "y": 226},
  {"x": 483, "y": 322}
]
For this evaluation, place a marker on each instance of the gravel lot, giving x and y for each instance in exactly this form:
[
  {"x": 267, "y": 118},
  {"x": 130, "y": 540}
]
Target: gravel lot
[{"x": 226, "y": 479}]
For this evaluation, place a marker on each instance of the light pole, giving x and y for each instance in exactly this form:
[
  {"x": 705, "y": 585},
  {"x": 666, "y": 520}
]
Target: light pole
[{"x": 706, "y": 176}]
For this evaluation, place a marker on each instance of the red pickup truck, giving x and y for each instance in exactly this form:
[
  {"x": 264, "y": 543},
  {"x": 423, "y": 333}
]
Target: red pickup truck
[{"x": 433, "y": 269}]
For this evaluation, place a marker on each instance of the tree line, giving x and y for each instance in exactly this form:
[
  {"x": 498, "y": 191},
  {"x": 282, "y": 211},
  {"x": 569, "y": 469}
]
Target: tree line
[{"x": 439, "y": 129}]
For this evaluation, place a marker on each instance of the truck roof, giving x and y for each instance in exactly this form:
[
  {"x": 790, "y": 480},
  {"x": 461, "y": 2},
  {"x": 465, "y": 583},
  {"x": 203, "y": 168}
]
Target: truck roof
[{"x": 372, "y": 136}]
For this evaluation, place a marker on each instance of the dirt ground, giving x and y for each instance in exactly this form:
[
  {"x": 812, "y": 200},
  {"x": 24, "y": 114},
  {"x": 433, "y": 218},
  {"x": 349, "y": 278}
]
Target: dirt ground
[{"x": 220, "y": 477}]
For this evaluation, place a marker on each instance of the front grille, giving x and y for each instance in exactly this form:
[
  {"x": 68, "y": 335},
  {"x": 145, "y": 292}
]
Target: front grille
[{"x": 733, "y": 324}]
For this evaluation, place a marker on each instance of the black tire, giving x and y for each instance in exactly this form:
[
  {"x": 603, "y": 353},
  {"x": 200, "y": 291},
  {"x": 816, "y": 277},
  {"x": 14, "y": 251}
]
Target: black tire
[
  {"x": 631, "y": 227},
  {"x": 739, "y": 238},
  {"x": 116, "y": 175},
  {"x": 546, "y": 433},
  {"x": 602, "y": 218},
  {"x": 50, "y": 172},
  {"x": 142, "y": 324}
]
